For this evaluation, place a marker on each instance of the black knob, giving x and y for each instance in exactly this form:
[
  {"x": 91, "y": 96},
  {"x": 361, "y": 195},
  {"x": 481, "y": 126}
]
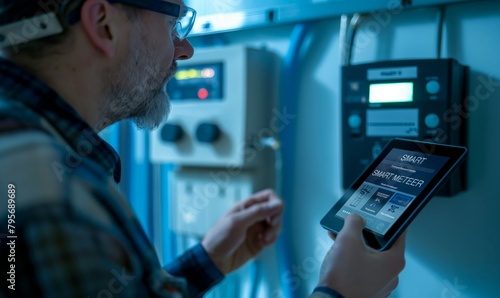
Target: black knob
[
  {"x": 207, "y": 133},
  {"x": 171, "y": 133}
]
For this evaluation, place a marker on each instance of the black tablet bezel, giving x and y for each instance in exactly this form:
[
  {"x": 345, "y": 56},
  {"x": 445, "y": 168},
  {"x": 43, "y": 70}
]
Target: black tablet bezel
[{"x": 456, "y": 156}]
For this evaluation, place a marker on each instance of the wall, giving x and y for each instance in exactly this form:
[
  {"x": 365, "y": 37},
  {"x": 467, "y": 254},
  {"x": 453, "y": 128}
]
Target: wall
[{"x": 453, "y": 246}]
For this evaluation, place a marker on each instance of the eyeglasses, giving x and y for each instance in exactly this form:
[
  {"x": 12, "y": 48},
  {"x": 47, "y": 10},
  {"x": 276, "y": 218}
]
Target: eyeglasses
[{"x": 185, "y": 16}]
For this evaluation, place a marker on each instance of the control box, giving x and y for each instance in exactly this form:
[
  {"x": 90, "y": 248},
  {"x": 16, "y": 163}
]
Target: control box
[
  {"x": 221, "y": 99},
  {"x": 223, "y": 104},
  {"x": 413, "y": 99}
]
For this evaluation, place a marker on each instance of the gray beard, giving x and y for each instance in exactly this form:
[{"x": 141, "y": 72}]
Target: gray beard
[{"x": 137, "y": 90}]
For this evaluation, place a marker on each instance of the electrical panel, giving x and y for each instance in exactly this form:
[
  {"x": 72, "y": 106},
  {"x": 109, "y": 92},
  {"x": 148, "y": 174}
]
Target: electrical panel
[
  {"x": 222, "y": 99},
  {"x": 223, "y": 109},
  {"x": 413, "y": 99}
]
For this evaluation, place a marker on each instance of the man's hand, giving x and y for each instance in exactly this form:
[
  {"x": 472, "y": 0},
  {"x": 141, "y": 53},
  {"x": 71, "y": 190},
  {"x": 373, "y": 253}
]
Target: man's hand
[
  {"x": 244, "y": 231},
  {"x": 356, "y": 270}
]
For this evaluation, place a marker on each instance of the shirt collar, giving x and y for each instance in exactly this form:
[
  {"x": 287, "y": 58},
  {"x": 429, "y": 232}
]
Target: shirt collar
[{"x": 17, "y": 84}]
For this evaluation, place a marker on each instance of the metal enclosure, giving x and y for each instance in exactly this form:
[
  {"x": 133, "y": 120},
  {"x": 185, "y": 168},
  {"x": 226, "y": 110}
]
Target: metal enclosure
[
  {"x": 229, "y": 15},
  {"x": 223, "y": 106},
  {"x": 413, "y": 99}
]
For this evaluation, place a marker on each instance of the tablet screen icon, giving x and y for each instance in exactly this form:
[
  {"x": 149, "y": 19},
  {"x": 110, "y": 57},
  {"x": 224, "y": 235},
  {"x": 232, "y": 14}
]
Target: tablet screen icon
[
  {"x": 377, "y": 201},
  {"x": 363, "y": 192}
]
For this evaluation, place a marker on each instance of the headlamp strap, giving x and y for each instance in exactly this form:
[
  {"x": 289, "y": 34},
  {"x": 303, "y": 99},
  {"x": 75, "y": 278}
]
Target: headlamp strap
[{"x": 29, "y": 29}]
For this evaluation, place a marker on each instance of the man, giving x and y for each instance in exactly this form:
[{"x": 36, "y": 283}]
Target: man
[{"x": 71, "y": 69}]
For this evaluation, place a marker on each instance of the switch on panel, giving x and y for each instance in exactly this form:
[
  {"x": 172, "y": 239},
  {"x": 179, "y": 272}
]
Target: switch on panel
[
  {"x": 208, "y": 133},
  {"x": 171, "y": 133}
]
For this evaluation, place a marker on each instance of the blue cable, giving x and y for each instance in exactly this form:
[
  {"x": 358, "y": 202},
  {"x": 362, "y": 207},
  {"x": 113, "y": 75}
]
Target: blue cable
[
  {"x": 255, "y": 277},
  {"x": 169, "y": 244},
  {"x": 288, "y": 100},
  {"x": 138, "y": 173}
]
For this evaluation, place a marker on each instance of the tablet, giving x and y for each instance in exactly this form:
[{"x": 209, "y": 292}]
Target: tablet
[{"x": 394, "y": 188}]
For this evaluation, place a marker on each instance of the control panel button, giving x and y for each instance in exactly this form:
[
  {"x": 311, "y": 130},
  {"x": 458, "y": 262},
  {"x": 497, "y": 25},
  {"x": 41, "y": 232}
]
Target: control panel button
[
  {"x": 354, "y": 121},
  {"x": 432, "y": 120},
  {"x": 171, "y": 133},
  {"x": 432, "y": 87},
  {"x": 207, "y": 133}
]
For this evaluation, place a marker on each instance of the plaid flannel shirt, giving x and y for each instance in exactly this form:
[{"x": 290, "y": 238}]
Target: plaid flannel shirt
[{"x": 76, "y": 235}]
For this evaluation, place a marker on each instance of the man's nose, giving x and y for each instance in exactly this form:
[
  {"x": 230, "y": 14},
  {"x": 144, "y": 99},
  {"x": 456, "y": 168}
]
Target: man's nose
[{"x": 183, "y": 50}]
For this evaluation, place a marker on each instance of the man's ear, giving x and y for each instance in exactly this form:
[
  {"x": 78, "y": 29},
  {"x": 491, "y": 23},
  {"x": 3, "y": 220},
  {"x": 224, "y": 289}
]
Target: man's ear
[{"x": 98, "y": 19}]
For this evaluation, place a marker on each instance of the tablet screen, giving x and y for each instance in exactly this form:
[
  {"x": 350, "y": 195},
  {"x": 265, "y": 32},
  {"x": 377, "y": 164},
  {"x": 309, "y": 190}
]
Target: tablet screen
[{"x": 391, "y": 188}]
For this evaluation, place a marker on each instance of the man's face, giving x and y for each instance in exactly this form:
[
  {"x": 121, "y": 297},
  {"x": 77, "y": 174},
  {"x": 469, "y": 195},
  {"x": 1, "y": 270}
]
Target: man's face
[{"x": 137, "y": 84}]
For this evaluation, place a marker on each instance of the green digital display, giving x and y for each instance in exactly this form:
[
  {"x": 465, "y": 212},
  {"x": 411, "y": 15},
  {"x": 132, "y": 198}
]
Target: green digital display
[{"x": 391, "y": 92}]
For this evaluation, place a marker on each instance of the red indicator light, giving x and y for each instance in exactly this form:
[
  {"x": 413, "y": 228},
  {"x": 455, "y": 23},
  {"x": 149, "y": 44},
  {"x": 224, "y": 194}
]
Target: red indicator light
[{"x": 202, "y": 93}]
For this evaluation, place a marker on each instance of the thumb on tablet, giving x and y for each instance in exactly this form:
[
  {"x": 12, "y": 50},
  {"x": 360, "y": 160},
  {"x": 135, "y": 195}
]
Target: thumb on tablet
[{"x": 353, "y": 229}]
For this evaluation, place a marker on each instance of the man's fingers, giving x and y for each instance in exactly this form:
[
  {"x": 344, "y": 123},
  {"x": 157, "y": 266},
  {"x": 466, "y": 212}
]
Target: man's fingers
[
  {"x": 352, "y": 230},
  {"x": 256, "y": 198},
  {"x": 263, "y": 195},
  {"x": 270, "y": 237},
  {"x": 353, "y": 223},
  {"x": 332, "y": 235},
  {"x": 258, "y": 212},
  {"x": 275, "y": 226},
  {"x": 247, "y": 203},
  {"x": 398, "y": 248},
  {"x": 397, "y": 253},
  {"x": 400, "y": 243},
  {"x": 275, "y": 221}
]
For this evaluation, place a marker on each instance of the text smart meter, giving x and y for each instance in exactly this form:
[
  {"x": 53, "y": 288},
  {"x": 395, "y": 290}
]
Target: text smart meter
[{"x": 413, "y": 99}]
